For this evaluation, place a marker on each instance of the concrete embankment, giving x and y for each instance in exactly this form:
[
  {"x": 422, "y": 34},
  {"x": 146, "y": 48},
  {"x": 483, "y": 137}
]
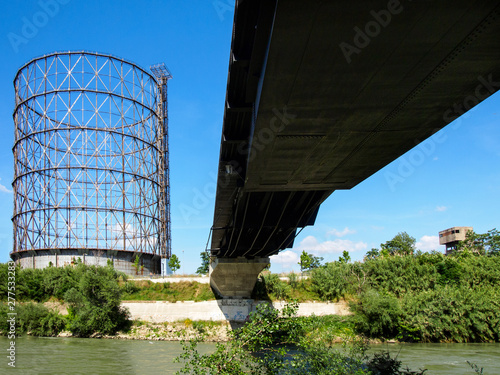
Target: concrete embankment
[
  {"x": 174, "y": 279},
  {"x": 160, "y": 320},
  {"x": 198, "y": 279},
  {"x": 232, "y": 310}
]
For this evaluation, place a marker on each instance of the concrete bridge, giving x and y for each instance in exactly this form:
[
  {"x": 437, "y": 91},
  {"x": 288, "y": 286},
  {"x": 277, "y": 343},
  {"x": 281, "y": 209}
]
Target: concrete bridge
[{"x": 323, "y": 94}]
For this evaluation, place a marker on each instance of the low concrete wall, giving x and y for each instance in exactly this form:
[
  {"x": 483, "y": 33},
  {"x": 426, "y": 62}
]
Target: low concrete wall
[
  {"x": 232, "y": 310},
  {"x": 174, "y": 279},
  {"x": 199, "y": 279}
]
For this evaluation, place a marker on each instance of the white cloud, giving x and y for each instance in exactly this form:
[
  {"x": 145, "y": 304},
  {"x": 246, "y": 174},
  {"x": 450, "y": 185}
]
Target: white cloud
[
  {"x": 342, "y": 233},
  {"x": 441, "y": 208},
  {"x": 428, "y": 243},
  {"x": 286, "y": 258},
  {"x": 3, "y": 189},
  {"x": 311, "y": 244}
]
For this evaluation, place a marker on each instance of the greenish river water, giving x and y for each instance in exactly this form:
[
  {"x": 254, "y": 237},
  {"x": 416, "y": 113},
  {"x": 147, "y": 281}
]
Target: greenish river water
[{"x": 93, "y": 356}]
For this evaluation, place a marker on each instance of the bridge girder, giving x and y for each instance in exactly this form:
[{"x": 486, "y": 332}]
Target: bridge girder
[{"x": 323, "y": 94}]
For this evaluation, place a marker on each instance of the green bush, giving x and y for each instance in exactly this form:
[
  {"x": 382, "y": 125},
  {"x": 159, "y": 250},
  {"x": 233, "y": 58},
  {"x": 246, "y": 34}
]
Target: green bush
[
  {"x": 91, "y": 319},
  {"x": 377, "y": 315},
  {"x": 479, "y": 270},
  {"x": 401, "y": 274},
  {"x": 332, "y": 281},
  {"x": 450, "y": 271},
  {"x": 4, "y": 277},
  {"x": 4, "y": 325},
  {"x": 277, "y": 342},
  {"x": 95, "y": 303},
  {"x": 38, "y": 320},
  {"x": 328, "y": 329},
  {"x": 58, "y": 280},
  {"x": 29, "y": 285},
  {"x": 34, "y": 319},
  {"x": 293, "y": 280},
  {"x": 453, "y": 314},
  {"x": 129, "y": 287},
  {"x": 383, "y": 364},
  {"x": 270, "y": 284}
]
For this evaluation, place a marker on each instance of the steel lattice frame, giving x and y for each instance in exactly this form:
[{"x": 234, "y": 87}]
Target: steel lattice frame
[
  {"x": 162, "y": 75},
  {"x": 89, "y": 156}
]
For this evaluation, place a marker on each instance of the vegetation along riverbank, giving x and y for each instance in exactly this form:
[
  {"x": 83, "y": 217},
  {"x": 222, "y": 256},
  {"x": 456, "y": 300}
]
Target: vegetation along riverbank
[{"x": 396, "y": 293}]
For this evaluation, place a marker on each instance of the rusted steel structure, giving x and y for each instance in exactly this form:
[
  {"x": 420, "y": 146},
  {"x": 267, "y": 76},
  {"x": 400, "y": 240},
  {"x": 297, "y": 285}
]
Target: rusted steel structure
[
  {"x": 91, "y": 163},
  {"x": 162, "y": 75}
]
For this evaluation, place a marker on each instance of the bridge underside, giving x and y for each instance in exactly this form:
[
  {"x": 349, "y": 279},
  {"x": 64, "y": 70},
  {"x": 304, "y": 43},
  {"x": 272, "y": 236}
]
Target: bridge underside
[{"x": 322, "y": 94}]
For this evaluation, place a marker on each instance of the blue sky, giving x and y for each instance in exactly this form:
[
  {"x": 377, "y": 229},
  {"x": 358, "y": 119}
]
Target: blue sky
[{"x": 452, "y": 179}]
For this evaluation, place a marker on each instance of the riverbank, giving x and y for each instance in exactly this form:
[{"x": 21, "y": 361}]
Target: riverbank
[
  {"x": 231, "y": 310},
  {"x": 415, "y": 298},
  {"x": 174, "y": 331},
  {"x": 161, "y": 320}
]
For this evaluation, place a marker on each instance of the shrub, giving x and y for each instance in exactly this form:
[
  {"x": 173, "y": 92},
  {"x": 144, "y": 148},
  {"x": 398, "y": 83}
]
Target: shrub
[
  {"x": 4, "y": 325},
  {"x": 400, "y": 275},
  {"x": 377, "y": 315},
  {"x": 331, "y": 281},
  {"x": 383, "y": 364},
  {"x": 29, "y": 285},
  {"x": 58, "y": 280},
  {"x": 479, "y": 270},
  {"x": 34, "y": 319},
  {"x": 129, "y": 287},
  {"x": 95, "y": 303},
  {"x": 273, "y": 285},
  {"x": 454, "y": 314},
  {"x": 450, "y": 271},
  {"x": 293, "y": 280},
  {"x": 4, "y": 277},
  {"x": 277, "y": 342},
  {"x": 91, "y": 319}
]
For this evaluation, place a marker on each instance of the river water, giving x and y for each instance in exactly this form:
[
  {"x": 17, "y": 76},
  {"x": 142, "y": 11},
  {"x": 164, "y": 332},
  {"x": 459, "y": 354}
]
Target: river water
[{"x": 93, "y": 356}]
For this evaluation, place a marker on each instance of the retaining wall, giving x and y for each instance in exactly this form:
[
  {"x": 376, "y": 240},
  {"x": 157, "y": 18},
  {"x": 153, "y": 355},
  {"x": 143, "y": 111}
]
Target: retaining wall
[{"x": 233, "y": 310}]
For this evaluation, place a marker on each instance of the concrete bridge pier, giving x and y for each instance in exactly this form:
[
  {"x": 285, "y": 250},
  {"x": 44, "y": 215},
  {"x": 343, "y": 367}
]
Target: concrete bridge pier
[{"x": 236, "y": 277}]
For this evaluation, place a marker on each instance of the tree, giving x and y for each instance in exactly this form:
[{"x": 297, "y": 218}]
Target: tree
[
  {"x": 309, "y": 261},
  {"x": 493, "y": 242},
  {"x": 345, "y": 258},
  {"x": 95, "y": 302},
  {"x": 305, "y": 261},
  {"x": 481, "y": 244},
  {"x": 174, "y": 263},
  {"x": 401, "y": 244},
  {"x": 136, "y": 264},
  {"x": 372, "y": 254},
  {"x": 205, "y": 262},
  {"x": 315, "y": 262}
]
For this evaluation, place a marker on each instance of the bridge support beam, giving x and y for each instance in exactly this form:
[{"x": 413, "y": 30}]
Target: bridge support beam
[{"x": 235, "y": 277}]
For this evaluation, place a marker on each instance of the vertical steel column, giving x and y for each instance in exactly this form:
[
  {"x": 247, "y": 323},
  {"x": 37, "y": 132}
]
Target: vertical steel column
[{"x": 162, "y": 75}]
